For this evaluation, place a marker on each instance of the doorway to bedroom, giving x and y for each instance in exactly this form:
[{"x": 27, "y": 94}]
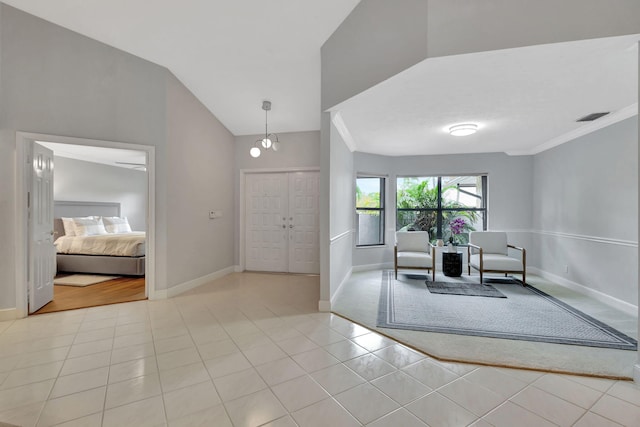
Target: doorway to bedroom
[{"x": 100, "y": 211}]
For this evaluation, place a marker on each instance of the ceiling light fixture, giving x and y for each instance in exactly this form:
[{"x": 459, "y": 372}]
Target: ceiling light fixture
[
  {"x": 463, "y": 129},
  {"x": 270, "y": 140}
]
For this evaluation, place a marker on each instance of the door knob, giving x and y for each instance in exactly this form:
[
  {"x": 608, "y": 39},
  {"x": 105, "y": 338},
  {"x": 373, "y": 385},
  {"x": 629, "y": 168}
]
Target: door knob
[
  {"x": 290, "y": 225},
  {"x": 284, "y": 226}
]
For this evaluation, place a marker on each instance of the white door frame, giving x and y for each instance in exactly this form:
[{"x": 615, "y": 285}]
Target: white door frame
[
  {"x": 22, "y": 262},
  {"x": 243, "y": 173}
]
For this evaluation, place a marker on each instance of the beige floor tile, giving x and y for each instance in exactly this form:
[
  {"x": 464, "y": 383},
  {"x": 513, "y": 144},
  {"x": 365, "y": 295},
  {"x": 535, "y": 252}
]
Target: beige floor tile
[
  {"x": 96, "y": 335},
  {"x": 594, "y": 420},
  {"x": 285, "y": 421},
  {"x": 81, "y": 381},
  {"x": 430, "y": 373},
  {"x": 324, "y": 413},
  {"x": 366, "y": 403},
  {"x": 337, "y": 378},
  {"x": 297, "y": 345},
  {"x": 372, "y": 341},
  {"x": 571, "y": 391},
  {"x": 73, "y": 406},
  {"x": 255, "y": 409},
  {"x": 315, "y": 360},
  {"x": 126, "y": 354},
  {"x": 41, "y": 357},
  {"x": 132, "y": 369},
  {"x": 173, "y": 344},
  {"x": 148, "y": 412},
  {"x": 401, "y": 387},
  {"x": 132, "y": 390},
  {"x": 279, "y": 371},
  {"x": 85, "y": 363},
  {"x": 509, "y": 414},
  {"x": 226, "y": 365},
  {"x": 262, "y": 354},
  {"x": 627, "y": 391},
  {"x": 93, "y": 420},
  {"x": 436, "y": 410},
  {"x": 249, "y": 341},
  {"x": 212, "y": 350},
  {"x": 617, "y": 410},
  {"x": 398, "y": 418},
  {"x": 189, "y": 400},
  {"x": 93, "y": 347},
  {"x": 183, "y": 376},
  {"x": 554, "y": 409},
  {"x": 32, "y": 374},
  {"x": 26, "y": 415},
  {"x": 298, "y": 393},
  {"x": 345, "y": 350},
  {"x": 470, "y": 396},
  {"x": 399, "y": 355},
  {"x": 496, "y": 381},
  {"x": 25, "y": 395},
  {"x": 369, "y": 366},
  {"x": 239, "y": 384},
  {"x": 325, "y": 336},
  {"x": 214, "y": 416},
  {"x": 133, "y": 339},
  {"x": 177, "y": 358}
]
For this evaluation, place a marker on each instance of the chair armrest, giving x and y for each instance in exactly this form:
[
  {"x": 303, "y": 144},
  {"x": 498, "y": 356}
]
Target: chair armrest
[
  {"x": 471, "y": 245},
  {"x": 516, "y": 248}
]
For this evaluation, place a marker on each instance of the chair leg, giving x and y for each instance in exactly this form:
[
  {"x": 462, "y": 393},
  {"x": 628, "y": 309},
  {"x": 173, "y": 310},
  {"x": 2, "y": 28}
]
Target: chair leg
[
  {"x": 433, "y": 274},
  {"x": 524, "y": 277},
  {"x": 396, "y": 273},
  {"x": 481, "y": 277}
]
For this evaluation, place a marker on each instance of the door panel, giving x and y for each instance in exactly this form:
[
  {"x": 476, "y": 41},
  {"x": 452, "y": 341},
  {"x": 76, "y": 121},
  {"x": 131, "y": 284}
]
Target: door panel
[
  {"x": 42, "y": 255},
  {"x": 304, "y": 245},
  {"x": 266, "y": 206}
]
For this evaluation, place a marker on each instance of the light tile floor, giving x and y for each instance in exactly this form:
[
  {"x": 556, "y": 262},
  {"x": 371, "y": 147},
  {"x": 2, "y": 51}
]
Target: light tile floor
[
  {"x": 358, "y": 300},
  {"x": 252, "y": 350}
]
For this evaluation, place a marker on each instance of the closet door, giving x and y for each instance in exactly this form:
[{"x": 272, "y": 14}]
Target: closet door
[
  {"x": 266, "y": 238},
  {"x": 304, "y": 244}
]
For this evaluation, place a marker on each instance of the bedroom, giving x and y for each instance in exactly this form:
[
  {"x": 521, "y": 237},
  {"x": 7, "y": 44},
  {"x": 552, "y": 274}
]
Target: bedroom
[{"x": 110, "y": 187}]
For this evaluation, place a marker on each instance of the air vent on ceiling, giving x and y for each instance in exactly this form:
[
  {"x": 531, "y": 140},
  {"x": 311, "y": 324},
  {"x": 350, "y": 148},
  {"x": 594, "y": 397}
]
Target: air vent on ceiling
[{"x": 591, "y": 117}]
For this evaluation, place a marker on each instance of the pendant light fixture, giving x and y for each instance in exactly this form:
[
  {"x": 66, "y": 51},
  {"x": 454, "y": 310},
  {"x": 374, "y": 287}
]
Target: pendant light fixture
[{"x": 270, "y": 140}]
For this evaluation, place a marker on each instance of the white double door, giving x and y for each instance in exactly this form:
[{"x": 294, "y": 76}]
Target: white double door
[{"x": 281, "y": 222}]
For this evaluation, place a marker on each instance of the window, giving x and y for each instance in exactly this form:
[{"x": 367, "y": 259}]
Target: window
[
  {"x": 431, "y": 203},
  {"x": 370, "y": 211}
]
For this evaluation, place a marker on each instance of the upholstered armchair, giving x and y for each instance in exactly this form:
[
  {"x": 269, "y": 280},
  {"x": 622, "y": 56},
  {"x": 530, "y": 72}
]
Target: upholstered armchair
[
  {"x": 414, "y": 251},
  {"x": 488, "y": 252}
]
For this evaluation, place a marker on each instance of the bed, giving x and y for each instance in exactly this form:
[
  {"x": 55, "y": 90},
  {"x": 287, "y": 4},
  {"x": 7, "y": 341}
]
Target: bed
[{"x": 115, "y": 254}]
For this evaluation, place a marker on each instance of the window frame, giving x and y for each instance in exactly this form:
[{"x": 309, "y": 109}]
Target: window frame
[
  {"x": 439, "y": 209},
  {"x": 381, "y": 210}
]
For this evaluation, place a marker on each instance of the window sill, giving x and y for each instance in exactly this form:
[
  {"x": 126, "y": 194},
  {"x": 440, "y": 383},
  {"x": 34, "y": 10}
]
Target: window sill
[{"x": 371, "y": 246}]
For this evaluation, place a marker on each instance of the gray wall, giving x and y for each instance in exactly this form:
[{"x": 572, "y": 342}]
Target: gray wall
[
  {"x": 199, "y": 175},
  {"x": 509, "y": 198},
  {"x": 585, "y": 204},
  {"x": 54, "y": 81},
  {"x": 78, "y": 180},
  {"x": 298, "y": 150},
  {"x": 341, "y": 208}
]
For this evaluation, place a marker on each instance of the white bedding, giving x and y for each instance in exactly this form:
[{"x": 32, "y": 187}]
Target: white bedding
[{"x": 125, "y": 244}]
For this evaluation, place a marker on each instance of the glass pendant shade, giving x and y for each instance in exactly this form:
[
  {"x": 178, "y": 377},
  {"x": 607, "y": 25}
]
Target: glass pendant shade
[{"x": 255, "y": 152}]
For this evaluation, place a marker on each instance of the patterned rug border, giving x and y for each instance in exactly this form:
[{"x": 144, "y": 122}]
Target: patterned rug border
[
  {"x": 385, "y": 310},
  {"x": 489, "y": 291}
]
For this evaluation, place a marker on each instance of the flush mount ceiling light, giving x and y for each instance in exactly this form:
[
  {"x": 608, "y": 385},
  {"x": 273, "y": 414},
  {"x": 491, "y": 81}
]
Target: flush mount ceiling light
[
  {"x": 463, "y": 129},
  {"x": 270, "y": 140}
]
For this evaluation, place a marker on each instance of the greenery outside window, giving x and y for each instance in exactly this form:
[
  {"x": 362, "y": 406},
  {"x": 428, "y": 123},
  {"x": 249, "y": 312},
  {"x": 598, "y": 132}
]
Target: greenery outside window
[
  {"x": 431, "y": 203},
  {"x": 370, "y": 211}
]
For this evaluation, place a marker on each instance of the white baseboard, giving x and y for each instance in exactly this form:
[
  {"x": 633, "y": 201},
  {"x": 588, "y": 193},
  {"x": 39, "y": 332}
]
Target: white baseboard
[
  {"x": 324, "y": 306},
  {"x": 158, "y": 294},
  {"x": 369, "y": 267},
  {"x": 238, "y": 269},
  {"x": 597, "y": 295},
  {"x": 8, "y": 314},
  {"x": 186, "y": 286}
]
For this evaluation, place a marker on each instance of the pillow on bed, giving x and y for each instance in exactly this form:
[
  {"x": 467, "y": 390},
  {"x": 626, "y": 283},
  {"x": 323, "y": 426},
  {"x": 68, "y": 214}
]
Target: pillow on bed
[
  {"x": 89, "y": 226},
  {"x": 69, "y": 226},
  {"x": 114, "y": 224}
]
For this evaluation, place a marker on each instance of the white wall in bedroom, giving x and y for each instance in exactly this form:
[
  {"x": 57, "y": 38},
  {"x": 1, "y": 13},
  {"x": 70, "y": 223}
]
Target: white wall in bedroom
[{"x": 79, "y": 180}]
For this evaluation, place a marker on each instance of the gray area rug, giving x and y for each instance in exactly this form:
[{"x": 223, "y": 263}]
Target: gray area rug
[
  {"x": 463, "y": 288},
  {"x": 525, "y": 314}
]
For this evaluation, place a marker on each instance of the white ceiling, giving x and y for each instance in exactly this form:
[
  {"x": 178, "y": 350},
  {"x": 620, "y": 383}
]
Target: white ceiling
[
  {"x": 234, "y": 54},
  {"x": 231, "y": 54},
  {"x": 523, "y": 100}
]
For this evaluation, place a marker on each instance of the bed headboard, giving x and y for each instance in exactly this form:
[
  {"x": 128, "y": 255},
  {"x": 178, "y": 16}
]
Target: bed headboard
[{"x": 73, "y": 209}]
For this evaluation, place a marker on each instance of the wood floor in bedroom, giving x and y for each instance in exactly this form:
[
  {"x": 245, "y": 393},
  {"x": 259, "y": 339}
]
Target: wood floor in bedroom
[{"x": 123, "y": 289}]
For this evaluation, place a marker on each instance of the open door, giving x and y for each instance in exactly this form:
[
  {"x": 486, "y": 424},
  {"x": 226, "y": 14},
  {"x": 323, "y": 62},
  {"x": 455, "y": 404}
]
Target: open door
[{"x": 41, "y": 252}]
